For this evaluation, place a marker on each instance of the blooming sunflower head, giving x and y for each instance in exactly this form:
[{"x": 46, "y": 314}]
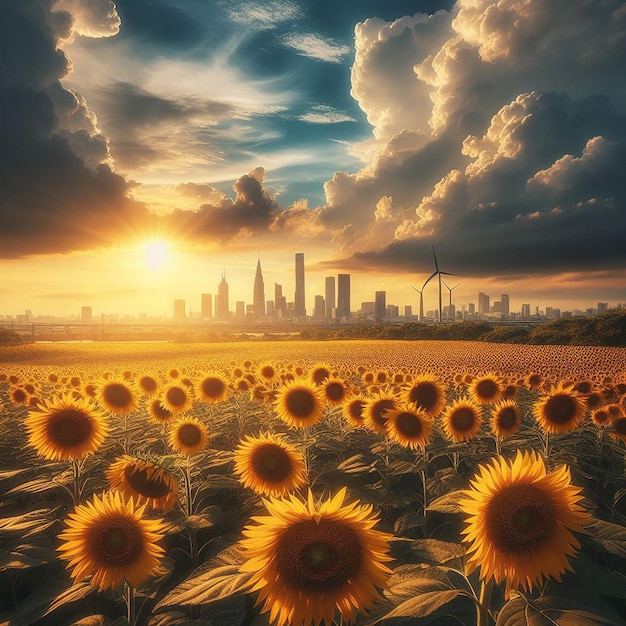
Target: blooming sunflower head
[
  {"x": 145, "y": 481},
  {"x": 505, "y": 419},
  {"x": 299, "y": 403},
  {"x": 319, "y": 373},
  {"x": 486, "y": 389},
  {"x": 267, "y": 372},
  {"x": 519, "y": 521},
  {"x": 618, "y": 428},
  {"x": 335, "y": 391},
  {"x": 409, "y": 426},
  {"x": 352, "y": 409},
  {"x": 109, "y": 539},
  {"x": 116, "y": 396},
  {"x": 462, "y": 420},
  {"x": 269, "y": 465},
  {"x": 188, "y": 436},
  {"x": 66, "y": 428},
  {"x": 533, "y": 380},
  {"x": 176, "y": 398},
  {"x": 375, "y": 411},
  {"x": 160, "y": 413},
  {"x": 310, "y": 560},
  {"x": 19, "y": 396},
  {"x": 428, "y": 394},
  {"x": 212, "y": 388},
  {"x": 148, "y": 384},
  {"x": 561, "y": 410}
]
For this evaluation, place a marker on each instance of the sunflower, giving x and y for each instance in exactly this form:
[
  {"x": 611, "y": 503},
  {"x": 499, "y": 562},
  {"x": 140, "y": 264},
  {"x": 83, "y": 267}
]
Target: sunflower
[
  {"x": 561, "y": 410},
  {"x": 462, "y": 420},
  {"x": 335, "y": 391},
  {"x": 176, "y": 399},
  {"x": 109, "y": 538},
  {"x": 116, "y": 396},
  {"x": 533, "y": 380},
  {"x": 410, "y": 426},
  {"x": 319, "y": 373},
  {"x": 212, "y": 388},
  {"x": 309, "y": 560},
  {"x": 19, "y": 396},
  {"x": 505, "y": 419},
  {"x": 299, "y": 403},
  {"x": 65, "y": 428},
  {"x": 269, "y": 465},
  {"x": 618, "y": 428},
  {"x": 189, "y": 436},
  {"x": 267, "y": 372},
  {"x": 352, "y": 410},
  {"x": 145, "y": 481},
  {"x": 375, "y": 411},
  {"x": 486, "y": 389},
  {"x": 519, "y": 521},
  {"x": 428, "y": 394},
  {"x": 159, "y": 413},
  {"x": 601, "y": 417},
  {"x": 148, "y": 384}
]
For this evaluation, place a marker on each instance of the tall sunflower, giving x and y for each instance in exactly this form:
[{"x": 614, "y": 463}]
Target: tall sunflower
[
  {"x": 428, "y": 394},
  {"x": 160, "y": 413},
  {"x": 618, "y": 428},
  {"x": 462, "y": 420},
  {"x": 269, "y": 465},
  {"x": 335, "y": 391},
  {"x": 505, "y": 419},
  {"x": 145, "y": 481},
  {"x": 188, "y": 436},
  {"x": 561, "y": 410},
  {"x": 319, "y": 373},
  {"x": 409, "y": 426},
  {"x": 310, "y": 560},
  {"x": 116, "y": 396},
  {"x": 109, "y": 539},
  {"x": 148, "y": 384},
  {"x": 486, "y": 389},
  {"x": 519, "y": 521},
  {"x": 212, "y": 388},
  {"x": 299, "y": 403},
  {"x": 375, "y": 411},
  {"x": 352, "y": 409},
  {"x": 176, "y": 399},
  {"x": 66, "y": 428}
]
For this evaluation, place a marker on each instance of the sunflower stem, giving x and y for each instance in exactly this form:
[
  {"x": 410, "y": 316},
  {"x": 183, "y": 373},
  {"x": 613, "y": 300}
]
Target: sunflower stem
[
  {"x": 76, "y": 493},
  {"x": 546, "y": 450},
  {"x": 482, "y": 607},
  {"x": 129, "y": 596}
]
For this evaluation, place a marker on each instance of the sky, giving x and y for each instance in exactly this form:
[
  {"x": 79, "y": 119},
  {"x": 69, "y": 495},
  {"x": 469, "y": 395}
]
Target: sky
[{"x": 362, "y": 134}]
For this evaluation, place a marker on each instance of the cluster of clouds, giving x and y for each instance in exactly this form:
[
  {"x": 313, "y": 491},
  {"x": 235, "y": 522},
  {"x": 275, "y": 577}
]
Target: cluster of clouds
[{"x": 498, "y": 134}]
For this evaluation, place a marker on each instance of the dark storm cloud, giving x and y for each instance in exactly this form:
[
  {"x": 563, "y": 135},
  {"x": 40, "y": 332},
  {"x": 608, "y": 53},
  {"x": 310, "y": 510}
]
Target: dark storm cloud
[{"x": 50, "y": 200}]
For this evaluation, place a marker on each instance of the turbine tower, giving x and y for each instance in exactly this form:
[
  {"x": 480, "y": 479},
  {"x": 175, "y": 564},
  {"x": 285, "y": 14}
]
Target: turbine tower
[
  {"x": 450, "y": 289},
  {"x": 439, "y": 274},
  {"x": 421, "y": 293}
]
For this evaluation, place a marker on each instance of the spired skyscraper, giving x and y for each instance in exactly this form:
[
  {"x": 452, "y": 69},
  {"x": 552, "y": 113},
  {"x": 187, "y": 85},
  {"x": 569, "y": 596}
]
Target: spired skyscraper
[
  {"x": 221, "y": 300},
  {"x": 259, "y": 292},
  {"x": 299, "y": 305}
]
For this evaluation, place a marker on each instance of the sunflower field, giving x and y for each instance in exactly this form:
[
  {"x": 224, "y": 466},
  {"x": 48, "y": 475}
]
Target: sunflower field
[{"x": 299, "y": 483}]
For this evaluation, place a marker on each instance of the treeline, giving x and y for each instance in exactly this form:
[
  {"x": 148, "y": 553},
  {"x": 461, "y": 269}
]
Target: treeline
[{"x": 608, "y": 329}]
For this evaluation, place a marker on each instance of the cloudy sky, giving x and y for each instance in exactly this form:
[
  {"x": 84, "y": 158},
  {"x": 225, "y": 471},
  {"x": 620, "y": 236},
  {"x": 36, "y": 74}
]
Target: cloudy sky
[{"x": 359, "y": 133}]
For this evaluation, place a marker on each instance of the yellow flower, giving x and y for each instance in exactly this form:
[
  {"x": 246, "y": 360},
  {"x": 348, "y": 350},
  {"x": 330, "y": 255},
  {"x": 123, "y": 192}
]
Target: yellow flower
[
  {"x": 310, "y": 560},
  {"x": 335, "y": 391},
  {"x": 109, "y": 539},
  {"x": 66, "y": 428},
  {"x": 410, "y": 426},
  {"x": 505, "y": 419},
  {"x": 462, "y": 420},
  {"x": 116, "y": 396},
  {"x": 299, "y": 403},
  {"x": 519, "y": 521},
  {"x": 486, "y": 389},
  {"x": 148, "y": 384},
  {"x": 269, "y": 465},
  {"x": 352, "y": 409},
  {"x": 189, "y": 436},
  {"x": 212, "y": 388},
  {"x": 428, "y": 394},
  {"x": 159, "y": 413},
  {"x": 561, "y": 410},
  {"x": 176, "y": 399},
  {"x": 375, "y": 411}
]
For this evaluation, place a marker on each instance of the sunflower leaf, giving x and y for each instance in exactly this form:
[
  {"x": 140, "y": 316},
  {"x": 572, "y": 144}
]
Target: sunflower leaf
[
  {"x": 435, "y": 551},
  {"x": 423, "y": 604},
  {"x": 448, "y": 503},
  {"x": 612, "y": 537}
]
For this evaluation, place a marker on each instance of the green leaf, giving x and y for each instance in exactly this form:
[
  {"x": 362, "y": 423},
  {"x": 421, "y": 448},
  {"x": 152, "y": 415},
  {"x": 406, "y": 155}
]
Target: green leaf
[
  {"x": 435, "y": 551},
  {"x": 354, "y": 465},
  {"x": 27, "y": 523},
  {"x": 76, "y": 592},
  {"x": 409, "y": 520},
  {"x": 612, "y": 537},
  {"x": 423, "y": 604},
  {"x": 91, "y": 620},
  {"x": 220, "y": 481},
  {"x": 407, "y": 581},
  {"x": 448, "y": 503}
]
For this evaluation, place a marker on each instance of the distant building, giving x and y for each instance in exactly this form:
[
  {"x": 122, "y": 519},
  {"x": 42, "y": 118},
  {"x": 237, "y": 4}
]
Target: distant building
[
  {"x": 343, "y": 297},
  {"x": 259, "y": 292},
  {"x": 222, "y": 311},
  {"x": 392, "y": 312},
  {"x": 525, "y": 310},
  {"x": 270, "y": 311},
  {"x": 483, "y": 303},
  {"x": 320, "y": 309},
  {"x": 86, "y": 315},
  {"x": 408, "y": 311},
  {"x": 329, "y": 295},
  {"x": 299, "y": 302},
  {"x": 180, "y": 312},
  {"x": 280, "y": 301},
  {"x": 603, "y": 307},
  {"x": 504, "y": 304},
  {"x": 380, "y": 298},
  {"x": 206, "y": 307},
  {"x": 471, "y": 308},
  {"x": 240, "y": 308},
  {"x": 367, "y": 308}
]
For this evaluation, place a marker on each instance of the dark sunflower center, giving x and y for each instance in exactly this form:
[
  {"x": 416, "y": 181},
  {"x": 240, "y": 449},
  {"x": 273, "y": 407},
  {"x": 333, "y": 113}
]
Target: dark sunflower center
[
  {"x": 150, "y": 487},
  {"x": 268, "y": 371},
  {"x": 159, "y": 411},
  {"x": 318, "y": 557},
  {"x": 507, "y": 418},
  {"x": 409, "y": 425},
  {"x": 69, "y": 427},
  {"x": 117, "y": 395},
  {"x": 335, "y": 391},
  {"x": 378, "y": 410},
  {"x": 189, "y": 434},
  {"x": 356, "y": 410},
  {"x": 620, "y": 425},
  {"x": 271, "y": 463},
  {"x": 534, "y": 380},
  {"x": 594, "y": 400},
  {"x": 424, "y": 395},
  {"x": 520, "y": 519},
  {"x": 487, "y": 389},
  {"x": 90, "y": 390},
  {"x": 583, "y": 386},
  {"x": 116, "y": 542},
  {"x": 19, "y": 395},
  {"x": 463, "y": 419},
  {"x": 176, "y": 396},
  {"x": 147, "y": 383},
  {"x": 212, "y": 387},
  {"x": 560, "y": 409},
  {"x": 600, "y": 416},
  {"x": 75, "y": 381},
  {"x": 319, "y": 375},
  {"x": 300, "y": 402},
  {"x": 381, "y": 377}
]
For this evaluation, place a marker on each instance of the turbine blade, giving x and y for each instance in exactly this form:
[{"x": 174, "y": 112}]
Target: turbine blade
[
  {"x": 435, "y": 257},
  {"x": 416, "y": 289},
  {"x": 447, "y": 274},
  {"x": 429, "y": 279}
]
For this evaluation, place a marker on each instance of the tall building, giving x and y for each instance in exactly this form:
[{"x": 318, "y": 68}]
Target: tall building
[
  {"x": 299, "y": 302},
  {"x": 240, "y": 308},
  {"x": 483, "y": 303},
  {"x": 381, "y": 305},
  {"x": 180, "y": 314},
  {"x": 329, "y": 295},
  {"x": 319, "y": 311},
  {"x": 504, "y": 305},
  {"x": 525, "y": 310},
  {"x": 343, "y": 296},
  {"x": 206, "y": 306},
  {"x": 280, "y": 301},
  {"x": 86, "y": 314},
  {"x": 221, "y": 300},
  {"x": 259, "y": 292},
  {"x": 408, "y": 311}
]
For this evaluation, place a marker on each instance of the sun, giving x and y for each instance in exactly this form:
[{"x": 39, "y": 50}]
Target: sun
[{"x": 156, "y": 254}]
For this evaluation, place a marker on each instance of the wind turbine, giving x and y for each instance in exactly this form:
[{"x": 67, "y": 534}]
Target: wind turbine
[
  {"x": 421, "y": 293},
  {"x": 450, "y": 289},
  {"x": 439, "y": 274}
]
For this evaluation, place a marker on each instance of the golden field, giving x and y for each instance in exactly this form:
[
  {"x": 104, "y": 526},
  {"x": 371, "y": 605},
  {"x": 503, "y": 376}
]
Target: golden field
[{"x": 294, "y": 482}]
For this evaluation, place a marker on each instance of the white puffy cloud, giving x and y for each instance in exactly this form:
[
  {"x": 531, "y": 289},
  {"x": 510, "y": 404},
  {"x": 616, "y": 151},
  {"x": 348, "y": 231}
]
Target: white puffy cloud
[
  {"x": 92, "y": 18},
  {"x": 315, "y": 46}
]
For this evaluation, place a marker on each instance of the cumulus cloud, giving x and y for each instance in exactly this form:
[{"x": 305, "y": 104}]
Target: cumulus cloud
[
  {"x": 315, "y": 46},
  {"x": 92, "y": 18}
]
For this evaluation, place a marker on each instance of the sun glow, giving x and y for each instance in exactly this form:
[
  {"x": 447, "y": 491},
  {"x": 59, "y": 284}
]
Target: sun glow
[{"x": 156, "y": 254}]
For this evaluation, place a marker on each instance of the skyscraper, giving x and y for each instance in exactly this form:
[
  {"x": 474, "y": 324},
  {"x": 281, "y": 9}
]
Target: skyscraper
[
  {"x": 319, "y": 310},
  {"x": 299, "y": 303},
  {"x": 483, "y": 303},
  {"x": 381, "y": 305},
  {"x": 329, "y": 295},
  {"x": 221, "y": 300},
  {"x": 259, "y": 292},
  {"x": 504, "y": 304},
  {"x": 206, "y": 308},
  {"x": 343, "y": 296}
]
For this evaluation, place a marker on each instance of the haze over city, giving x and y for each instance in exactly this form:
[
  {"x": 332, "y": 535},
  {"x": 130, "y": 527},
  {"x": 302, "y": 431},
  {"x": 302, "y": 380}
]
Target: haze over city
[{"x": 146, "y": 147}]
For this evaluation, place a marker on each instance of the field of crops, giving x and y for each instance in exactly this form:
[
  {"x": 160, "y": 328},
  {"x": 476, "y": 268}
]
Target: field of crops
[{"x": 367, "y": 482}]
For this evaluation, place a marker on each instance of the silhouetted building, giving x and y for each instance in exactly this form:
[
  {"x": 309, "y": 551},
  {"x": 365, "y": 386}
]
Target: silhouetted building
[
  {"x": 408, "y": 311},
  {"x": 222, "y": 311},
  {"x": 86, "y": 315},
  {"x": 280, "y": 301},
  {"x": 180, "y": 314},
  {"x": 483, "y": 303},
  {"x": 392, "y": 312},
  {"x": 319, "y": 311},
  {"x": 525, "y": 310},
  {"x": 381, "y": 305},
  {"x": 343, "y": 296},
  {"x": 299, "y": 302},
  {"x": 206, "y": 308},
  {"x": 259, "y": 292},
  {"x": 331, "y": 302},
  {"x": 240, "y": 308},
  {"x": 367, "y": 308},
  {"x": 504, "y": 305}
]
